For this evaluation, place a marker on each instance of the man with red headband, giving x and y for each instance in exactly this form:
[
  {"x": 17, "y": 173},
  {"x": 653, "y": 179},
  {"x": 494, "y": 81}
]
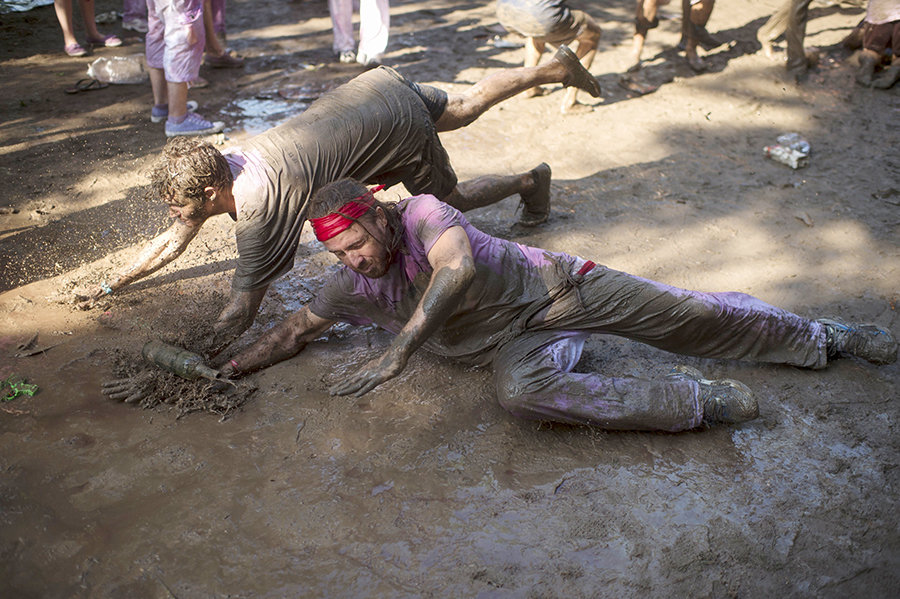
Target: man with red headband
[
  {"x": 420, "y": 270},
  {"x": 378, "y": 128}
]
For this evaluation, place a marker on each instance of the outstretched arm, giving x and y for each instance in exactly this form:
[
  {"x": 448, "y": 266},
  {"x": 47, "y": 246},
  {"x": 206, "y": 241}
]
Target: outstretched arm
[
  {"x": 156, "y": 254},
  {"x": 454, "y": 271},
  {"x": 284, "y": 341},
  {"x": 235, "y": 318}
]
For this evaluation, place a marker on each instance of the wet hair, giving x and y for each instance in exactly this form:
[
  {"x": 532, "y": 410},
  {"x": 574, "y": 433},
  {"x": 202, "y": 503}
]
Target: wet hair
[
  {"x": 334, "y": 195},
  {"x": 185, "y": 168}
]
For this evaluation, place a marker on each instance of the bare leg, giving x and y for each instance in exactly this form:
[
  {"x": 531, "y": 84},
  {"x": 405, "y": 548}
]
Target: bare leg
[
  {"x": 695, "y": 16},
  {"x": 774, "y": 27},
  {"x": 64, "y": 15},
  {"x": 587, "y": 49},
  {"x": 87, "y": 15},
  {"x": 489, "y": 189},
  {"x": 533, "y": 187},
  {"x": 533, "y": 50},
  {"x": 462, "y": 109},
  {"x": 168, "y": 92},
  {"x": 868, "y": 60},
  {"x": 645, "y": 20}
]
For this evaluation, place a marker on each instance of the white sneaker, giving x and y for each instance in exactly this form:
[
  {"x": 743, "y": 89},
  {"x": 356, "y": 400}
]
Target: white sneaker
[{"x": 193, "y": 124}]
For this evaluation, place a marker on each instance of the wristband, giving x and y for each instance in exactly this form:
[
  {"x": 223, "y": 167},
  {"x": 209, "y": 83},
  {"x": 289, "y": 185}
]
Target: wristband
[
  {"x": 234, "y": 365},
  {"x": 106, "y": 288}
]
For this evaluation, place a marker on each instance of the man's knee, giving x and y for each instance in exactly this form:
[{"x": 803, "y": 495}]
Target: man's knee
[{"x": 460, "y": 111}]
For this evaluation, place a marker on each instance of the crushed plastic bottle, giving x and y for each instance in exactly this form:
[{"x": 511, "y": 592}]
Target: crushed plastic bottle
[
  {"x": 791, "y": 150},
  {"x": 119, "y": 69}
]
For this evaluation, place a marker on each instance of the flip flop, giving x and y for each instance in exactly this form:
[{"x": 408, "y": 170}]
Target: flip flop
[
  {"x": 630, "y": 84},
  {"x": 86, "y": 85}
]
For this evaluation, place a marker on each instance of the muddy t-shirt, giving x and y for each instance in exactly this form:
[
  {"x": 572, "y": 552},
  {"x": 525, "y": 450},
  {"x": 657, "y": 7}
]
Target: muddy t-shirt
[
  {"x": 510, "y": 280},
  {"x": 374, "y": 129}
]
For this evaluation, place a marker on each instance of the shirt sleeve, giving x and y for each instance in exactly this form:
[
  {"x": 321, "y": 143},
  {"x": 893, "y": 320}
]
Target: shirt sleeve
[{"x": 426, "y": 219}]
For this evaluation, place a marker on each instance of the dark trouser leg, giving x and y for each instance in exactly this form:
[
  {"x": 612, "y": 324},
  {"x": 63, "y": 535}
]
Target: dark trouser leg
[
  {"x": 533, "y": 380},
  {"x": 796, "y": 32},
  {"x": 709, "y": 325}
]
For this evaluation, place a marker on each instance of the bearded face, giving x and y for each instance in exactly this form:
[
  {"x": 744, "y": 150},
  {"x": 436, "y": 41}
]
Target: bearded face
[{"x": 360, "y": 250}]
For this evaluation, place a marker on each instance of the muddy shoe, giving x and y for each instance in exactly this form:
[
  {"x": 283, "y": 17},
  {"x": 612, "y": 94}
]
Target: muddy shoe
[
  {"x": 723, "y": 400},
  {"x": 577, "y": 76},
  {"x": 536, "y": 205},
  {"x": 868, "y": 341}
]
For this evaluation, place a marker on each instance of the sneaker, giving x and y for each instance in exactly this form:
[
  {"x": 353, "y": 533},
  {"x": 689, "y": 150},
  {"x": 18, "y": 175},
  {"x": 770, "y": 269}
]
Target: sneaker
[
  {"x": 868, "y": 341},
  {"x": 76, "y": 50},
  {"x": 576, "y": 74},
  {"x": 107, "y": 41},
  {"x": 228, "y": 60},
  {"x": 723, "y": 400},
  {"x": 137, "y": 24},
  {"x": 158, "y": 115},
  {"x": 347, "y": 57},
  {"x": 536, "y": 205},
  {"x": 193, "y": 124}
]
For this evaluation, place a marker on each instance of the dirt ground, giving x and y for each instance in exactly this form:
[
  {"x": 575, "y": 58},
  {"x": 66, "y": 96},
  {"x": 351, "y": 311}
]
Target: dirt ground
[{"x": 426, "y": 487}]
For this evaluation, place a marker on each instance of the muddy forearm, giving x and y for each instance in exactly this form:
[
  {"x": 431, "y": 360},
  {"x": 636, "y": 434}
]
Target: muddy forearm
[
  {"x": 284, "y": 341},
  {"x": 158, "y": 253},
  {"x": 236, "y": 318},
  {"x": 446, "y": 289}
]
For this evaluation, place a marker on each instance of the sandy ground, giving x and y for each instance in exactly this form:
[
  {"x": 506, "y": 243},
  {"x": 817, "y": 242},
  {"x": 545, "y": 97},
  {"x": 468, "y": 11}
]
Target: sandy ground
[{"x": 426, "y": 487}]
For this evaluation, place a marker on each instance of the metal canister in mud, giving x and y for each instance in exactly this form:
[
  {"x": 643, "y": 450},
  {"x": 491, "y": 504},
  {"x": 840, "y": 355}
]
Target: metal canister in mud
[{"x": 178, "y": 361}]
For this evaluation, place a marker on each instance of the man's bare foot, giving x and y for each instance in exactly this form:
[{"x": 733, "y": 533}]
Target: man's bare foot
[
  {"x": 696, "y": 63},
  {"x": 577, "y": 75},
  {"x": 577, "y": 108},
  {"x": 534, "y": 92},
  {"x": 888, "y": 78}
]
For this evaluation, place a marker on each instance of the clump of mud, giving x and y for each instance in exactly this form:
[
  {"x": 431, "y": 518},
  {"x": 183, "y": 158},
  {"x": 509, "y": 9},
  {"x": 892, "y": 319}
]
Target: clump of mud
[{"x": 159, "y": 389}]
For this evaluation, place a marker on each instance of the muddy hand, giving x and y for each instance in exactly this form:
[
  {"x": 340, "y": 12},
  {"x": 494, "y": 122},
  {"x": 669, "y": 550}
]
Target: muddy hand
[
  {"x": 370, "y": 376},
  {"x": 123, "y": 390}
]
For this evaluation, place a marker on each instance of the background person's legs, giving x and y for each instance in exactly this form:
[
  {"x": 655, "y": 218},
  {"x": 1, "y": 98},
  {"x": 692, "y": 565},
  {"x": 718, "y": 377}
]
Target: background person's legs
[
  {"x": 797, "y": 62},
  {"x": 646, "y": 18},
  {"x": 374, "y": 30},
  {"x": 586, "y": 48}
]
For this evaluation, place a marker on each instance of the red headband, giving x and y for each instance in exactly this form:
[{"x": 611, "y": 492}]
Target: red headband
[{"x": 338, "y": 221}]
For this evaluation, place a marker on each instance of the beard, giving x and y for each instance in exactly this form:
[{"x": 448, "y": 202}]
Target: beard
[{"x": 377, "y": 267}]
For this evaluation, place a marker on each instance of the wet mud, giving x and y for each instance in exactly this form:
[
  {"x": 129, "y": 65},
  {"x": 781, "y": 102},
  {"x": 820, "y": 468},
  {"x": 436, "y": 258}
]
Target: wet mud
[{"x": 426, "y": 487}]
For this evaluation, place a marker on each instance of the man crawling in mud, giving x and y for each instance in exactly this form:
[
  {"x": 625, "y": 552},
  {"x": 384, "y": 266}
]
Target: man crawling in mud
[
  {"x": 421, "y": 271},
  {"x": 378, "y": 128}
]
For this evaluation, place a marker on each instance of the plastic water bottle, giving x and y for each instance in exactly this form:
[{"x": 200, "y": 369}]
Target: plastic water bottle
[
  {"x": 791, "y": 150},
  {"x": 119, "y": 69},
  {"x": 176, "y": 360}
]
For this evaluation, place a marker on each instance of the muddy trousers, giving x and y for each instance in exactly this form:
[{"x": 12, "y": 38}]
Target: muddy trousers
[
  {"x": 789, "y": 20},
  {"x": 533, "y": 371}
]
